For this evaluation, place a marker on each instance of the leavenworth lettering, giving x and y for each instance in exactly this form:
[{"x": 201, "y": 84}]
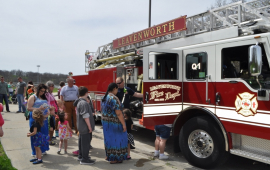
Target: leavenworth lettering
[{"x": 169, "y": 27}]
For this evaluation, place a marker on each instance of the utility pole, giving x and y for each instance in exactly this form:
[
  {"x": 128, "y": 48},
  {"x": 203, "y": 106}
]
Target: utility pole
[{"x": 149, "y": 13}]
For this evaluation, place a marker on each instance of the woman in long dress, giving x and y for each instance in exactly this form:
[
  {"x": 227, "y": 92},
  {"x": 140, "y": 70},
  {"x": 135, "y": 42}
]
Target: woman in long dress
[
  {"x": 114, "y": 126},
  {"x": 37, "y": 101}
]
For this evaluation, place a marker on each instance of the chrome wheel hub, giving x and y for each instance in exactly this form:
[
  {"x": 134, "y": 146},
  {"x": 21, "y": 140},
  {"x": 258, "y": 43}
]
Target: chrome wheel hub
[{"x": 200, "y": 143}]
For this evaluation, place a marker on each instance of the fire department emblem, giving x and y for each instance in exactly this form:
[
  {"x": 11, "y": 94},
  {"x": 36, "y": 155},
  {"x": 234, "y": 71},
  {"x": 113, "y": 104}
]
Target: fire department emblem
[{"x": 246, "y": 104}]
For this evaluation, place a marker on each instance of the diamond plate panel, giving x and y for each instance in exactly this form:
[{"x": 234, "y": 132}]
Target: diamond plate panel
[{"x": 251, "y": 144}]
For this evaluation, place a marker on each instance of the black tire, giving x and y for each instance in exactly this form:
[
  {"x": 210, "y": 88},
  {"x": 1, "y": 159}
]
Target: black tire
[{"x": 209, "y": 143}]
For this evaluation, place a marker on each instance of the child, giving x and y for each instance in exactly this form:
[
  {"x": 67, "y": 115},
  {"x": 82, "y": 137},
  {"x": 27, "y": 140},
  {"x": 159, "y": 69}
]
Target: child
[
  {"x": 88, "y": 100},
  {"x": 85, "y": 126},
  {"x": 1, "y": 121},
  {"x": 162, "y": 134},
  {"x": 60, "y": 105},
  {"x": 51, "y": 119},
  {"x": 39, "y": 139},
  {"x": 65, "y": 132},
  {"x": 61, "y": 109},
  {"x": 29, "y": 92},
  {"x": 129, "y": 124}
]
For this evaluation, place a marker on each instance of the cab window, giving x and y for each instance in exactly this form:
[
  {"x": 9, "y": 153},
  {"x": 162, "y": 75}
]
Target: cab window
[
  {"x": 163, "y": 66},
  {"x": 235, "y": 65},
  {"x": 196, "y": 66}
]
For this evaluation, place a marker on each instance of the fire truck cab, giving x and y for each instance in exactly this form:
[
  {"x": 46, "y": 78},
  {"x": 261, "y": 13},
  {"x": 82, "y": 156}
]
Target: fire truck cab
[{"x": 210, "y": 78}]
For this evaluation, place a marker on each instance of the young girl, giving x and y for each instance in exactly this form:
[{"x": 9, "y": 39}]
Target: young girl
[
  {"x": 38, "y": 138},
  {"x": 65, "y": 132},
  {"x": 51, "y": 119},
  {"x": 129, "y": 125},
  {"x": 61, "y": 109}
]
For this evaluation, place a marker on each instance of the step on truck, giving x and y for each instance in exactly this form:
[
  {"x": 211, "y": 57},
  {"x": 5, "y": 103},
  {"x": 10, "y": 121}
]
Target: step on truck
[{"x": 206, "y": 74}]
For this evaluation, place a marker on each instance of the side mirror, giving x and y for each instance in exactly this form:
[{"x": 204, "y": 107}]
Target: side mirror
[
  {"x": 255, "y": 60},
  {"x": 255, "y": 65}
]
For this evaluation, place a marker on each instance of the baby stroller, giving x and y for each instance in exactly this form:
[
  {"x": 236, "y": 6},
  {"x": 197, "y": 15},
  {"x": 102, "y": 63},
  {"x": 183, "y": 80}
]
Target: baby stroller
[{"x": 14, "y": 98}]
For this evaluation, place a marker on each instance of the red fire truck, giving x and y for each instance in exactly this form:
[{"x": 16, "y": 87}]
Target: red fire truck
[{"x": 207, "y": 74}]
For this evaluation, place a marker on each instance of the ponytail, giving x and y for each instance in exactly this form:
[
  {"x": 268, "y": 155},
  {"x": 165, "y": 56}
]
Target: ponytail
[
  {"x": 104, "y": 98},
  {"x": 109, "y": 89}
]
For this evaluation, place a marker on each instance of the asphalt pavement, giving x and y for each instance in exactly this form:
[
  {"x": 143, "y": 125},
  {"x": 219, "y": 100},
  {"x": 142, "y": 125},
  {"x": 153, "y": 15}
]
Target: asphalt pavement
[{"x": 17, "y": 147}]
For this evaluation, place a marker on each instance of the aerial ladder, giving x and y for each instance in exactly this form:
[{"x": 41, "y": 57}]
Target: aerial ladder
[{"x": 250, "y": 17}]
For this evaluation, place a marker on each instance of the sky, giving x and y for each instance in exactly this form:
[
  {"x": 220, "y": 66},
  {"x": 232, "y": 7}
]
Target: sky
[{"x": 56, "y": 33}]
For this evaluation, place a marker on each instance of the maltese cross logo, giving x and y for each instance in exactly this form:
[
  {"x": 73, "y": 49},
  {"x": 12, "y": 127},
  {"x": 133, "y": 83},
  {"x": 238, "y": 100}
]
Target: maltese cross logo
[{"x": 246, "y": 104}]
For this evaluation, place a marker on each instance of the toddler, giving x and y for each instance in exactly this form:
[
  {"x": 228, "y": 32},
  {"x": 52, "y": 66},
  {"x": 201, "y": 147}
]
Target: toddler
[
  {"x": 51, "y": 119},
  {"x": 65, "y": 132},
  {"x": 60, "y": 105}
]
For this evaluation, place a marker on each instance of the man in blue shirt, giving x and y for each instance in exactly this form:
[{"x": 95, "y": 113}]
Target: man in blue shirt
[
  {"x": 124, "y": 97},
  {"x": 68, "y": 95}
]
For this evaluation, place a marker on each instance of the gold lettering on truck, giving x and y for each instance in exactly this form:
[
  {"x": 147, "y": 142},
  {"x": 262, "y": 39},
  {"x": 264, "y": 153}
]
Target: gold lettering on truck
[
  {"x": 157, "y": 95},
  {"x": 171, "y": 26},
  {"x": 139, "y": 35},
  {"x": 130, "y": 38},
  {"x": 164, "y": 27},
  {"x": 146, "y": 33},
  {"x": 158, "y": 30},
  {"x": 135, "y": 37},
  {"x": 152, "y": 32}
]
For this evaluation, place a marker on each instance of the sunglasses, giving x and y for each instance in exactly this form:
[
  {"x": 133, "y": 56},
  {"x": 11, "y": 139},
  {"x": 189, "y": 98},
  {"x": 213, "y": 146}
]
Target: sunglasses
[
  {"x": 43, "y": 91},
  {"x": 119, "y": 83}
]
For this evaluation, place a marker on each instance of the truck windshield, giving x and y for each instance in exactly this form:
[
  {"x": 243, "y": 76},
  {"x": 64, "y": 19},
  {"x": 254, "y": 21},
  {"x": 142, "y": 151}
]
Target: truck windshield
[{"x": 235, "y": 65}]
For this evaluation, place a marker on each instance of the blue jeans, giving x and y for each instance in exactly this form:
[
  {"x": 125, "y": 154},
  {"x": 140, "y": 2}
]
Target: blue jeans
[
  {"x": 20, "y": 99},
  {"x": 4, "y": 97}
]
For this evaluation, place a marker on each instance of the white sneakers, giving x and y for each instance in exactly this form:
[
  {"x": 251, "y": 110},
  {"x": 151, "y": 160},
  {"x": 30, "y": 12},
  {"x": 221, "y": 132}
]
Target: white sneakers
[
  {"x": 156, "y": 154},
  {"x": 162, "y": 156}
]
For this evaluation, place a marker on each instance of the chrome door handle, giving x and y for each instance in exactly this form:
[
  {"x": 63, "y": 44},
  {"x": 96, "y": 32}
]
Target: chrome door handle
[
  {"x": 206, "y": 90},
  {"x": 218, "y": 98},
  {"x": 146, "y": 97}
]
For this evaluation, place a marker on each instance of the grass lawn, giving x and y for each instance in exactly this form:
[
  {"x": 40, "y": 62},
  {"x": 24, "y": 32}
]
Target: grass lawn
[
  {"x": 5, "y": 163},
  {"x": 55, "y": 90}
]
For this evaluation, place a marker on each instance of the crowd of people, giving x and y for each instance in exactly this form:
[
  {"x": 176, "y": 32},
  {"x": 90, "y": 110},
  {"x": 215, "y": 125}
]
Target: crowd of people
[{"x": 74, "y": 110}]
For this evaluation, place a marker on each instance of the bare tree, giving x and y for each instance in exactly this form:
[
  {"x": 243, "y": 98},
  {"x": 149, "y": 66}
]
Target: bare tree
[{"x": 32, "y": 76}]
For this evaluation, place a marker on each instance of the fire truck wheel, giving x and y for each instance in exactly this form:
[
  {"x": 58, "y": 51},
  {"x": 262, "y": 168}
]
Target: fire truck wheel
[{"x": 202, "y": 143}]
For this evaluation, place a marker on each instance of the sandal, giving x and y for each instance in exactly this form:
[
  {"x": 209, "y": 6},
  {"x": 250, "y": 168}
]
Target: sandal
[
  {"x": 128, "y": 157},
  {"x": 113, "y": 162},
  {"x": 52, "y": 143},
  {"x": 116, "y": 162}
]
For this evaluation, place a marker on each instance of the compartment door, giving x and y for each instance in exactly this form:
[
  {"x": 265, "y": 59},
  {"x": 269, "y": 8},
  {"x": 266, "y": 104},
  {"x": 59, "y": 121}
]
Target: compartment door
[{"x": 162, "y": 86}]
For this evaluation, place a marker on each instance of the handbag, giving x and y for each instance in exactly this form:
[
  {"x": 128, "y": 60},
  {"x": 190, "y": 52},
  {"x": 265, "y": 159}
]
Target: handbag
[{"x": 27, "y": 113}]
